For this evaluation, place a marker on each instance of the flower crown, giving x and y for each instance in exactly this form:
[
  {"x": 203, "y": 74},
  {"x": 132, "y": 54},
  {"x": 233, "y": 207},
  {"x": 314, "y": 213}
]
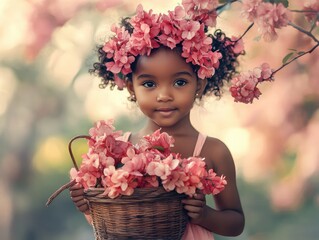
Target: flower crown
[{"x": 186, "y": 26}]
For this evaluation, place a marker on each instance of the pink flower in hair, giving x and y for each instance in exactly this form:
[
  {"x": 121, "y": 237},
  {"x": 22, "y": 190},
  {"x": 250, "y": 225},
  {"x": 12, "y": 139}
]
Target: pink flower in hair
[
  {"x": 171, "y": 35},
  {"x": 189, "y": 29},
  {"x": 146, "y": 27},
  {"x": 120, "y": 83},
  {"x": 209, "y": 62},
  {"x": 178, "y": 14}
]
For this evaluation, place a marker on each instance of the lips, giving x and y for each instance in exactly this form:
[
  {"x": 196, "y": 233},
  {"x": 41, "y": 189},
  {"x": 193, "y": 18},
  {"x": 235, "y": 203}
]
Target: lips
[{"x": 166, "y": 111}]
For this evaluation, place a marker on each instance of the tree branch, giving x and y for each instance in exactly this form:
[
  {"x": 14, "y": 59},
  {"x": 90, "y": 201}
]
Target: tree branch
[
  {"x": 219, "y": 8},
  {"x": 304, "y": 31},
  {"x": 295, "y": 58}
]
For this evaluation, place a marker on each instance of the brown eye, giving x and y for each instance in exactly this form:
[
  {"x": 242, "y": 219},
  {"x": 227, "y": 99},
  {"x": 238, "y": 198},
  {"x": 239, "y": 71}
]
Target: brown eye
[
  {"x": 149, "y": 84},
  {"x": 180, "y": 83}
]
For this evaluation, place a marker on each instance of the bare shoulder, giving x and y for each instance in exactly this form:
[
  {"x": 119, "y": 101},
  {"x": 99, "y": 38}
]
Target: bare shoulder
[{"x": 217, "y": 155}]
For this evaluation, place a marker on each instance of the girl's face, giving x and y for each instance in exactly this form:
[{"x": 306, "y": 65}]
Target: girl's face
[{"x": 165, "y": 87}]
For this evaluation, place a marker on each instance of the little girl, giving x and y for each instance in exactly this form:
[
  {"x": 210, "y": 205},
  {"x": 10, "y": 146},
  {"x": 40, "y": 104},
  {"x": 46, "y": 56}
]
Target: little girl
[{"x": 166, "y": 62}]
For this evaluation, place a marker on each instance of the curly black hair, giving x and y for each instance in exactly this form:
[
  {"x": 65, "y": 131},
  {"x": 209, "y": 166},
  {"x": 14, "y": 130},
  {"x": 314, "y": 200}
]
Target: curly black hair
[{"x": 226, "y": 70}]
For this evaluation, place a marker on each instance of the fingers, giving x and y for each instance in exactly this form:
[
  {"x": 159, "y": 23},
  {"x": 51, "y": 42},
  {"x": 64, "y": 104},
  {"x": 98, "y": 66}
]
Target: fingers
[
  {"x": 76, "y": 190},
  {"x": 76, "y": 186},
  {"x": 82, "y": 205},
  {"x": 197, "y": 200},
  {"x": 194, "y": 206},
  {"x": 77, "y": 196}
]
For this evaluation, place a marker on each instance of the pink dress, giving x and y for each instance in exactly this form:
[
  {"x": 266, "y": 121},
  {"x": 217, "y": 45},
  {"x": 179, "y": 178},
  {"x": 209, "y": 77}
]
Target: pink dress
[{"x": 193, "y": 231}]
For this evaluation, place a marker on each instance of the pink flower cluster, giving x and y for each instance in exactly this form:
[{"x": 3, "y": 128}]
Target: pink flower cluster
[
  {"x": 119, "y": 167},
  {"x": 267, "y": 16},
  {"x": 312, "y": 7},
  {"x": 184, "y": 26},
  {"x": 244, "y": 86}
]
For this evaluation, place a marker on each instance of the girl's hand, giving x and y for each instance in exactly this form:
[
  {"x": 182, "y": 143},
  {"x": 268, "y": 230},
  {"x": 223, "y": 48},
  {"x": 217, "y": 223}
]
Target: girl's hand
[
  {"x": 77, "y": 196},
  {"x": 195, "y": 207}
]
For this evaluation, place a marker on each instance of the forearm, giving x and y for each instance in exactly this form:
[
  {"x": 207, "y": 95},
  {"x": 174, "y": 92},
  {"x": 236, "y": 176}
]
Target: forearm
[{"x": 222, "y": 222}]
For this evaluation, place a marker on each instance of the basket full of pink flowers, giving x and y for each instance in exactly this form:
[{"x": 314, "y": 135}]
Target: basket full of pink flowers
[{"x": 135, "y": 191}]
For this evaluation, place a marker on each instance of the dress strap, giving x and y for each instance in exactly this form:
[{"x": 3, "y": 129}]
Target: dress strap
[{"x": 199, "y": 144}]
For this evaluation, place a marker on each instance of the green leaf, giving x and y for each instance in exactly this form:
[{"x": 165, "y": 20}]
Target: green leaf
[
  {"x": 287, "y": 57},
  {"x": 257, "y": 39},
  {"x": 301, "y": 52}
]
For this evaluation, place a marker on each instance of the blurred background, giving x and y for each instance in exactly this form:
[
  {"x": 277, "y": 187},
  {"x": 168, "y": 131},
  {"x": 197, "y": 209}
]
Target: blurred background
[{"x": 47, "y": 97}]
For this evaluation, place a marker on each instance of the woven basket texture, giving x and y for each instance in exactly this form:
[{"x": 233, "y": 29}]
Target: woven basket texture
[{"x": 149, "y": 213}]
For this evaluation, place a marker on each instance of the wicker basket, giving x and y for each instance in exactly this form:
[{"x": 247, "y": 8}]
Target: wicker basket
[{"x": 150, "y": 213}]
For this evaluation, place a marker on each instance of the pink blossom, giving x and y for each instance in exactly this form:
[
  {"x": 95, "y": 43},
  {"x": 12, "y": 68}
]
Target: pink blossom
[
  {"x": 85, "y": 176},
  {"x": 119, "y": 167},
  {"x": 118, "y": 182},
  {"x": 237, "y": 46},
  {"x": 268, "y": 17},
  {"x": 244, "y": 88},
  {"x": 271, "y": 16},
  {"x": 213, "y": 184},
  {"x": 134, "y": 163},
  {"x": 120, "y": 83},
  {"x": 103, "y": 128},
  {"x": 157, "y": 140},
  {"x": 196, "y": 6},
  {"x": 312, "y": 8},
  {"x": 162, "y": 168},
  {"x": 250, "y": 8},
  {"x": 266, "y": 72}
]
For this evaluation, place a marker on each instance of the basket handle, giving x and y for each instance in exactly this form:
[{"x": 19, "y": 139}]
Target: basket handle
[
  {"x": 70, "y": 148},
  {"x": 72, "y": 182}
]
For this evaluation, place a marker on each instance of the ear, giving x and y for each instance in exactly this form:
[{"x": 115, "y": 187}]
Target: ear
[{"x": 201, "y": 84}]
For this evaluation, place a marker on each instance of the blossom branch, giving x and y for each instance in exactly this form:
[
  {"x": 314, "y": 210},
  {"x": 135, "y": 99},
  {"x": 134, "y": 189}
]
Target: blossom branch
[
  {"x": 308, "y": 33},
  {"x": 295, "y": 58},
  {"x": 304, "y": 11},
  {"x": 313, "y": 25},
  {"x": 247, "y": 30},
  {"x": 219, "y": 8}
]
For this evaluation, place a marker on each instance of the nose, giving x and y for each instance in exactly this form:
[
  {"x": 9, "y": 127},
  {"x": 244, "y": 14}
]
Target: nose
[{"x": 164, "y": 95}]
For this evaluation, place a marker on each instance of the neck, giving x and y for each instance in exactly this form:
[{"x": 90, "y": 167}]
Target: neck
[{"x": 182, "y": 128}]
